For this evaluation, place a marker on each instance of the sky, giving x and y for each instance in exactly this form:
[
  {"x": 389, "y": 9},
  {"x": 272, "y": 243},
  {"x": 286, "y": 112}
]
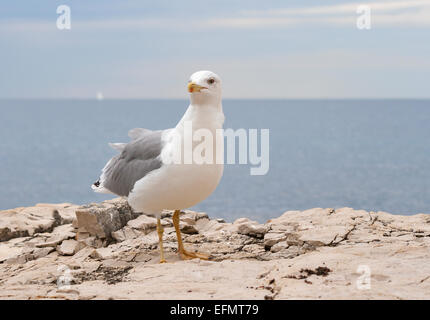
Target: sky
[{"x": 136, "y": 49}]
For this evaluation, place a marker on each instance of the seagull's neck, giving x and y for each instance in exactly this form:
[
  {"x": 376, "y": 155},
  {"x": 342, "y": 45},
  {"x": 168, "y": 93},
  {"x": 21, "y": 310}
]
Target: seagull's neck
[{"x": 209, "y": 116}]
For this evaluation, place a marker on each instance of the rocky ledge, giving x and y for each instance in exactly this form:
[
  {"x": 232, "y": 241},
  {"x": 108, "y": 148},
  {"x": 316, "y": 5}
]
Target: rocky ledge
[{"x": 106, "y": 251}]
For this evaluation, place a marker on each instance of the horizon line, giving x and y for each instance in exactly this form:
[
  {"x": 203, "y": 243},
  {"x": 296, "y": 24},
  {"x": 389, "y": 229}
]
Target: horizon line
[{"x": 225, "y": 99}]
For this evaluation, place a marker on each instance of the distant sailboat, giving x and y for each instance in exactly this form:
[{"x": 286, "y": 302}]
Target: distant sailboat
[{"x": 99, "y": 96}]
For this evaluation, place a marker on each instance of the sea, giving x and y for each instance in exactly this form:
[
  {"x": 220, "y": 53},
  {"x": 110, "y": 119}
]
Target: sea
[{"x": 364, "y": 154}]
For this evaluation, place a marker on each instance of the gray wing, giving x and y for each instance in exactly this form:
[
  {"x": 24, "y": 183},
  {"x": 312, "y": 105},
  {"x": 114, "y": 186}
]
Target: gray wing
[
  {"x": 137, "y": 158},
  {"x": 137, "y": 133}
]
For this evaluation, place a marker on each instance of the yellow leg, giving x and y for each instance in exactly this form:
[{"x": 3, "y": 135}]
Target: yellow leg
[
  {"x": 160, "y": 231},
  {"x": 185, "y": 255}
]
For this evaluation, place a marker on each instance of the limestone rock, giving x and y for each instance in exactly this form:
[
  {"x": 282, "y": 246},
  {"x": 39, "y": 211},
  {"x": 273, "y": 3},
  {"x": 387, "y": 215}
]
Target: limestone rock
[
  {"x": 20, "y": 259},
  {"x": 9, "y": 250},
  {"x": 68, "y": 247},
  {"x": 101, "y": 220},
  {"x": 193, "y": 215},
  {"x": 251, "y": 228},
  {"x": 143, "y": 223},
  {"x": 20, "y": 251},
  {"x": 188, "y": 228},
  {"x": 23, "y": 222},
  {"x": 59, "y": 234},
  {"x": 103, "y": 253},
  {"x": 42, "y": 252},
  {"x": 317, "y": 253},
  {"x": 279, "y": 246},
  {"x": 272, "y": 238},
  {"x": 125, "y": 233},
  {"x": 89, "y": 242}
]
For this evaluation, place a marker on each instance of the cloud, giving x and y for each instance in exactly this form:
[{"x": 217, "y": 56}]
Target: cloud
[
  {"x": 343, "y": 8},
  {"x": 125, "y": 57},
  {"x": 384, "y": 14},
  {"x": 392, "y": 14}
]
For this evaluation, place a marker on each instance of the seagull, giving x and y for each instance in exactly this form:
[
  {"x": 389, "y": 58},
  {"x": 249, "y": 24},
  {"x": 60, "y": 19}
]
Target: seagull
[{"x": 145, "y": 174}]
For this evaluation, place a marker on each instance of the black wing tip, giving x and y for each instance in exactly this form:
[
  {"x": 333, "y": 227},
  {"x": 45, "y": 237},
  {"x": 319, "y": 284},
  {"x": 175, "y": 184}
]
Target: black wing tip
[{"x": 97, "y": 183}]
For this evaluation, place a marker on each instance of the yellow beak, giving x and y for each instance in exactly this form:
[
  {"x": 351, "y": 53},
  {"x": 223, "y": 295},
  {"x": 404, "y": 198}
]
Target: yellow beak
[{"x": 194, "y": 87}]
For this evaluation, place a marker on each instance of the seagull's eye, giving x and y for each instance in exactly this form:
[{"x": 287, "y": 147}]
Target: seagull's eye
[{"x": 211, "y": 81}]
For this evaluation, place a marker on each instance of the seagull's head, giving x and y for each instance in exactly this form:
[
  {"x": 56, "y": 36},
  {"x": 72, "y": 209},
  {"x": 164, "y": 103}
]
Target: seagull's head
[{"x": 205, "y": 87}]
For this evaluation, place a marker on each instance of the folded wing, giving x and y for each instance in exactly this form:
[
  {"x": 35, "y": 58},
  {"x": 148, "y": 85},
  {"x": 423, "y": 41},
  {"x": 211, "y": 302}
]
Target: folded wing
[{"x": 138, "y": 158}]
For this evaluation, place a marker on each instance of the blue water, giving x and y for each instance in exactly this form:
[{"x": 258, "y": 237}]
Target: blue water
[{"x": 372, "y": 155}]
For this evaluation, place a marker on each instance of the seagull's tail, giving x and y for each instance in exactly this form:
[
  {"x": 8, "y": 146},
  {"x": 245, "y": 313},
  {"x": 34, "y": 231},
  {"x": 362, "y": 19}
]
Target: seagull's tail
[{"x": 98, "y": 187}]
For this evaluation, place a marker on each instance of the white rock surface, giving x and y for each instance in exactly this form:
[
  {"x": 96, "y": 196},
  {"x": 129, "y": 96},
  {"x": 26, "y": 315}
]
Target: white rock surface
[
  {"x": 313, "y": 254},
  {"x": 21, "y": 222},
  {"x": 68, "y": 247}
]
